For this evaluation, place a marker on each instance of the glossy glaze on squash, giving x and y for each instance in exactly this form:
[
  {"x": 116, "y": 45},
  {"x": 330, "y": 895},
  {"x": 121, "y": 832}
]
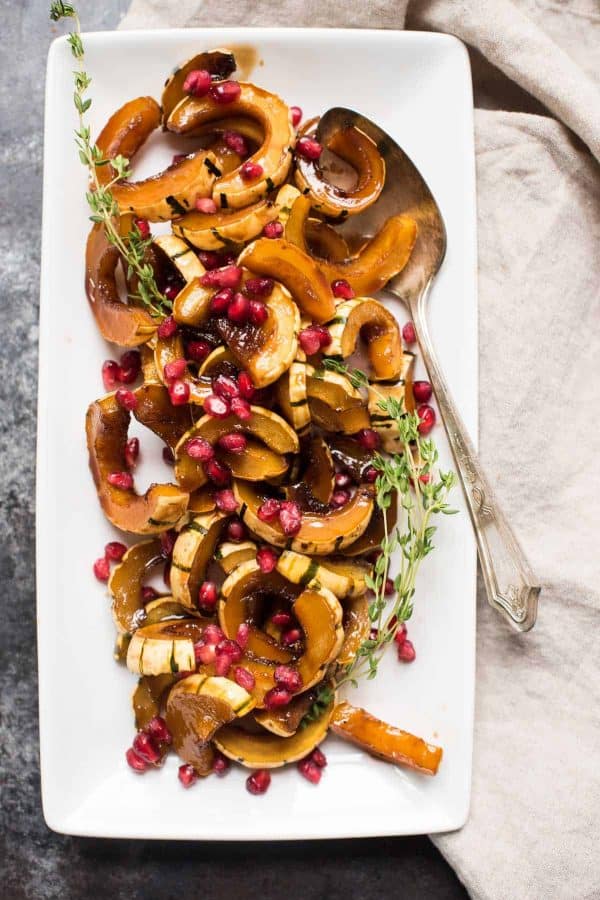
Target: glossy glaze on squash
[
  {"x": 126, "y": 132},
  {"x": 126, "y": 582},
  {"x": 155, "y": 410},
  {"x": 219, "y": 63},
  {"x": 368, "y": 319},
  {"x": 192, "y": 553}
]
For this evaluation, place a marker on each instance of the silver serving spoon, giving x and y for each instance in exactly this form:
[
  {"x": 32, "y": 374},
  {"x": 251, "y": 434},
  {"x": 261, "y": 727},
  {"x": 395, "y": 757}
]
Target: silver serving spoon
[{"x": 510, "y": 583}]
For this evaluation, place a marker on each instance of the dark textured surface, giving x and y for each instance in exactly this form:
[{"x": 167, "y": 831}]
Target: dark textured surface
[{"x": 34, "y": 862}]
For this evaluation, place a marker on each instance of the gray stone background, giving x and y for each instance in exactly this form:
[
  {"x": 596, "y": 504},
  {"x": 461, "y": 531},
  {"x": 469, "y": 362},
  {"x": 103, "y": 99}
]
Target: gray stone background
[{"x": 34, "y": 862}]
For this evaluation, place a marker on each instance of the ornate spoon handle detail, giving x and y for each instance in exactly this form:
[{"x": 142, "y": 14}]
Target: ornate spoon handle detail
[{"x": 510, "y": 584}]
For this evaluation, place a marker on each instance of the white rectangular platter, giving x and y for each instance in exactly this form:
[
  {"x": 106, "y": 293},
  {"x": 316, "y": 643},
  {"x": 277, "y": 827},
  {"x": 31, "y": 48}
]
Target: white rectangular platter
[{"x": 418, "y": 88}]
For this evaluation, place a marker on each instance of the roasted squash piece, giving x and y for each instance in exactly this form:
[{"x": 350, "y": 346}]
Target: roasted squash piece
[
  {"x": 369, "y": 319},
  {"x": 126, "y": 582},
  {"x": 357, "y": 627},
  {"x": 383, "y": 740},
  {"x": 191, "y": 306},
  {"x": 219, "y": 63},
  {"x": 347, "y": 421},
  {"x": 162, "y": 505},
  {"x": 319, "y": 615},
  {"x": 292, "y": 396},
  {"x": 181, "y": 255},
  {"x": 310, "y": 573},
  {"x": 332, "y": 388},
  {"x": 256, "y": 463},
  {"x": 193, "y": 551},
  {"x": 317, "y": 479},
  {"x": 166, "y": 607},
  {"x": 164, "y": 648},
  {"x": 387, "y": 427},
  {"x": 248, "y": 128},
  {"x": 155, "y": 410},
  {"x": 202, "y": 501},
  {"x": 147, "y": 697},
  {"x": 354, "y": 572},
  {"x": 227, "y": 228},
  {"x": 372, "y": 537},
  {"x": 324, "y": 241},
  {"x": 274, "y": 155},
  {"x": 126, "y": 131},
  {"x": 286, "y": 720},
  {"x": 230, "y": 555},
  {"x": 168, "y": 350}
]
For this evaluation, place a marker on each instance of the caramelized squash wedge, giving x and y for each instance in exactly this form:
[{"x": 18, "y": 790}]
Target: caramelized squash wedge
[
  {"x": 193, "y": 551},
  {"x": 332, "y": 388},
  {"x": 317, "y": 479},
  {"x": 347, "y": 421},
  {"x": 387, "y": 427},
  {"x": 159, "y": 508},
  {"x": 301, "y": 569},
  {"x": 155, "y": 410},
  {"x": 319, "y": 615},
  {"x": 219, "y": 63},
  {"x": 126, "y": 582},
  {"x": 325, "y": 242},
  {"x": 292, "y": 396},
  {"x": 126, "y": 131},
  {"x": 369, "y": 319},
  {"x": 181, "y": 255},
  {"x": 383, "y": 740},
  {"x": 274, "y": 155},
  {"x": 168, "y": 350},
  {"x": 372, "y": 537},
  {"x": 230, "y": 555},
  {"x": 248, "y": 128},
  {"x": 357, "y": 627},
  {"x": 202, "y": 501},
  {"x": 147, "y": 698},
  {"x": 354, "y": 572},
  {"x": 166, "y": 648},
  {"x": 286, "y": 720},
  {"x": 191, "y": 306}
]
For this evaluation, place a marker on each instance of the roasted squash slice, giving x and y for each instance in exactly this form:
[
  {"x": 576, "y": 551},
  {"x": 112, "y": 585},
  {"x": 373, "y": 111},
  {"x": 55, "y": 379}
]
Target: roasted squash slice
[
  {"x": 286, "y": 720},
  {"x": 274, "y": 155},
  {"x": 347, "y": 421},
  {"x": 125, "y": 132},
  {"x": 126, "y": 582},
  {"x": 372, "y": 537},
  {"x": 166, "y": 648},
  {"x": 147, "y": 697},
  {"x": 357, "y": 627},
  {"x": 220, "y": 63},
  {"x": 383, "y": 740},
  {"x": 155, "y": 410},
  {"x": 193, "y": 551},
  {"x": 292, "y": 396},
  {"x": 181, "y": 255},
  {"x": 360, "y": 152},
  {"x": 256, "y": 463},
  {"x": 319, "y": 534},
  {"x": 332, "y": 388},
  {"x": 369, "y": 319},
  {"x": 301, "y": 569},
  {"x": 294, "y": 268},
  {"x": 119, "y": 323},
  {"x": 166, "y": 607},
  {"x": 248, "y": 128},
  {"x": 317, "y": 480},
  {"x": 191, "y": 306},
  {"x": 269, "y": 751},
  {"x": 263, "y": 424},
  {"x": 387, "y": 427},
  {"x": 168, "y": 350},
  {"x": 202, "y": 501},
  {"x": 319, "y": 615},
  {"x": 171, "y": 193},
  {"x": 325, "y": 242},
  {"x": 230, "y": 555},
  {"x": 162, "y": 505},
  {"x": 354, "y": 572}
]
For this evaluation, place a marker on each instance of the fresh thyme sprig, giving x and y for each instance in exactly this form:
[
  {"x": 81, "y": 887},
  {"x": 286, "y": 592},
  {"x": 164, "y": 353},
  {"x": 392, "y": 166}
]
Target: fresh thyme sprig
[
  {"x": 356, "y": 377},
  {"x": 105, "y": 210}
]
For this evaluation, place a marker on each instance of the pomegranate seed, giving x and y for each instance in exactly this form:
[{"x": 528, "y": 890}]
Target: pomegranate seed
[
  {"x": 127, "y": 376},
  {"x": 266, "y": 559},
  {"x": 401, "y": 634},
  {"x": 204, "y": 654},
  {"x": 236, "y": 530},
  {"x": 259, "y": 781},
  {"x": 310, "y": 770},
  {"x": 175, "y": 369},
  {"x": 276, "y": 697},
  {"x": 217, "y": 407},
  {"x": 167, "y": 328},
  {"x": 244, "y": 678},
  {"x": 310, "y": 340},
  {"x": 374, "y": 632},
  {"x": 407, "y": 652},
  {"x": 282, "y": 619},
  {"x": 291, "y": 637},
  {"x": 408, "y": 333},
  {"x": 290, "y": 517},
  {"x": 269, "y": 509},
  {"x": 199, "y": 448},
  {"x": 197, "y": 82},
  {"x": 135, "y": 762},
  {"x": 234, "y": 442},
  {"x": 259, "y": 287},
  {"x": 132, "y": 452},
  {"x": 324, "y": 336},
  {"x": 239, "y": 309},
  {"x": 223, "y": 664},
  {"x": 425, "y": 478},
  {"x": 131, "y": 359},
  {"x": 221, "y": 765},
  {"x": 426, "y": 414},
  {"x": 126, "y": 399},
  {"x": 243, "y": 635},
  {"x": 370, "y": 474},
  {"x": 289, "y": 678},
  {"x": 217, "y": 472},
  {"x": 250, "y": 171},
  {"x": 212, "y": 634},
  {"x": 236, "y": 142},
  {"x": 273, "y": 230},
  {"x": 368, "y": 439},
  {"x": 219, "y": 302},
  {"x": 229, "y": 648},
  {"x": 342, "y": 289},
  {"x": 110, "y": 374},
  {"x": 225, "y": 277},
  {"x": 342, "y": 480},
  {"x": 226, "y": 386},
  {"x": 389, "y": 589},
  {"x": 145, "y": 747},
  {"x": 296, "y": 114},
  {"x": 143, "y": 226},
  {"x": 206, "y": 205},
  {"x": 257, "y": 312},
  {"x": 209, "y": 259},
  {"x": 308, "y": 148},
  {"x": 187, "y": 775},
  {"x": 177, "y": 158},
  {"x": 319, "y": 758},
  {"x": 149, "y": 594},
  {"x": 208, "y": 595},
  {"x": 198, "y": 350},
  {"x": 168, "y": 456},
  {"x": 115, "y": 551},
  {"x": 179, "y": 392},
  {"x": 422, "y": 391},
  {"x": 171, "y": 292},
  {"x": 340, "y": 498},
  {"x": 122, "y": 480},
  {"x": 225, "y": 501},
  {"x": 157, "y": 728},
  {"x": 167, "y": 542},
  {"x": 245, "y": 386},
  {"x": 241, "y": 409},
  {"x": 225, "y": 91},
  {"x": 102, "y": 569}
]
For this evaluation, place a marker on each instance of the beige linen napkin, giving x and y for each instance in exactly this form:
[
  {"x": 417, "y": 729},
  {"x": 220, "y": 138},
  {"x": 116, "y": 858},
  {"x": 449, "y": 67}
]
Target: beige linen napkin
[{"x": 533, "y": 830}]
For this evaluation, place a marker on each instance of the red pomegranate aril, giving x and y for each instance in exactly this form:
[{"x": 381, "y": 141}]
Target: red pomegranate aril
[
  {"x": 277, "y": 697},
  {"x": 229, "y": 648},
  {"x": 217, "y": 472},
  {"x": 132, "y": 452},
  {"x": 290, "y": 517},
  {"x": 177, "y": 158},
  {"x": 389, "y": 590},
  {"x": 310, "y": 340},
  {"x": 401, "y": 634},
  {"x": 122, "y": 480},
  {"x": 127, "y": 376},
  {"x": 209, "y": 259},
  {"x": 219, "y": 302},
  {"x": 126, "y": 399},
  {"x": 374, "y": 632},
  {"x": 289, "y": 678},
  {"x": 269, "y": 509},
  {"x": 259, "y": 287},
  {"x": 408, "y": 333},
  {"x": 281, "y": 619},
  {"x": 235, "y": 530},
  {"x": 292, "y": 636},
  {"x": 427, "y": 416},
  {"x": 171, "y": 292},
  {"x": 244, "y": 678},
  {"x": 145, "y": 747},
  {"x": 407, "y": 652},
  {"x": 131, "y": 359},
  {"x": 250, "y": 171},
  {"x": 368, "y": 439},
  {"x": 233, "y": 442},
  {"x": 212, "y": 634},
  {"x": 102, "y": 569},
  {"x": 225, "y": 91},
  {"x": 204, "y": 654},
  {"x": 225, "y": 501},
  {"x": 225, "y": 386},
  {"x": 422, "y": 391},
  {"x": 324, "y": 336},
  {"x": 342, "y": 480},
  {"x": 225, "y": 277},
  {"x": 236, "y": 142},
  {"x": 115, "y": 551},
  {"x": 187, "y": 775},
  {"x": 243, "y": 635},
  {"x": 257, "y": 312},
  {"x": 157, "y": 728},
  {"x": 241, "y": 408},
  {"x": 223, "y": 664},
  {"x": 208, "y": 595},
  {"x": 206, "y": 205},
  {"x": 221, "y": 765},
  {"x": 135, "y": 762},
  {"x": 239, "y": 309},
  {"x": 266, "y": 559},
  {"x": 217, "y": 407},
  {"x": 167, "y": 542},
  {"x": 143, "y": 226},
  {"x": 179, "y": 392},
  {"x": 319, "y": 758},
  {"x": 296, "y": 114},
  {"x": 149, "y": 594},
  {"x": 197, "y": 82},
  {"x": 308, "y": 148},
  {"x": 258, "y": 782},
  {"x": 197, "y": 351},
  {"x": 273, "y": 230},
  {"x": 340, "y": 498},
  {"x": 342, "y": 289},
  {"x": 246, "y": 388},
  {"x": 310, "y": 770},
  {"x": 199, "y": 448},
  {"x": 175, "y": 369},
  {"x": 167, "y": 328},
  {"x": 425, "y": 478},
  {"x": 110, "y": 374},
  {"x": 370, "y": 474}
]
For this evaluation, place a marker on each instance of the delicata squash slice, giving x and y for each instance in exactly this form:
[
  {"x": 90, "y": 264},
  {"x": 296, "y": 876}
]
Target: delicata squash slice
[
  {"x": 230, "y": 555},
  {"x": 159, "y": 508},
  {"x": 319, "y": 615},
  {"x": 167, "y": 647},
  {"x": 357, "y": 627},
  {"x": 286, "y": 720},
  {"x": 155, "y": 410},
  {"x": 126, "y": 582},
  {"x": 147, "y": 697},
  {"x": 220, "y": 64},
  {"x": 193, "y": 551},
  {"x": 369, "y": 319},
  {"x": 126, "y": 131}
]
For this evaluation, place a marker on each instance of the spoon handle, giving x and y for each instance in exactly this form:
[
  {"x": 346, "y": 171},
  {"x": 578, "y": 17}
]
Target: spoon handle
[{"x": 509, "y": 581}]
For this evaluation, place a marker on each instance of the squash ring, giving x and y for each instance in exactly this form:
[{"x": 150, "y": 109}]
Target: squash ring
[{"x": 368, "y": 318}]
